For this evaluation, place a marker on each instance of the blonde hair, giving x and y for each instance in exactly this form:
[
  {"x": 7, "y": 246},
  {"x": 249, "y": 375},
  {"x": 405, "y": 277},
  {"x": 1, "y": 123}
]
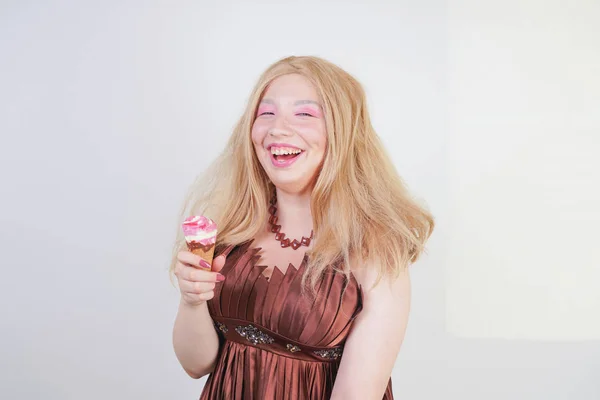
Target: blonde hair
[{"x": 362, "y": 211}]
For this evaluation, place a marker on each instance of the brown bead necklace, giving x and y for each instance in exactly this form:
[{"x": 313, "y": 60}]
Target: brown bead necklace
[{"x": 280, "y": 236}]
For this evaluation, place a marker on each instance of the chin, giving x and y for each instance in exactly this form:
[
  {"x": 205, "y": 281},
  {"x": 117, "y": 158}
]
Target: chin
[
  {"x": 291, "y": 180},
  {"x": 290, "y": 185}
]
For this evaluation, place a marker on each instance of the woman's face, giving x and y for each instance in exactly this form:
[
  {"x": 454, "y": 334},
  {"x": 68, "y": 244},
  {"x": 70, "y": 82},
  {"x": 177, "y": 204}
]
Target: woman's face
[{"x": 289, "y": 133}]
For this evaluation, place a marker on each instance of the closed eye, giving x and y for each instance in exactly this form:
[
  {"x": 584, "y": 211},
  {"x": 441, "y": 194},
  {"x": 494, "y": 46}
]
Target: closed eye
[
  {"x": 305, "y": 114},
  {"x": 266, "y": 113}
]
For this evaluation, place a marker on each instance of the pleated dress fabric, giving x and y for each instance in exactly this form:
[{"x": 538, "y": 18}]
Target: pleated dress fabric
[{"x": 275, "y": 342}]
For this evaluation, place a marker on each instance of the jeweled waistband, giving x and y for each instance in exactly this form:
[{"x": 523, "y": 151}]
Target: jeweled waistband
[{"x": 251, "y": 334}]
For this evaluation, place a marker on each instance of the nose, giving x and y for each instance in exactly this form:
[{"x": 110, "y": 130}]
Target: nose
[{"x": 280, "y": 127}]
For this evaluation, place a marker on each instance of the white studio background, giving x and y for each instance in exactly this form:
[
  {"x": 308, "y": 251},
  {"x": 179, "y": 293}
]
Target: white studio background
[
  {"x": 524, "y": 171},
  {"x": 108, "y": 110}
]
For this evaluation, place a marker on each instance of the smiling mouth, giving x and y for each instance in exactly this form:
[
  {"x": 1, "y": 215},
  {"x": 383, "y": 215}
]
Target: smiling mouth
[{"x": 284, "y": 155}]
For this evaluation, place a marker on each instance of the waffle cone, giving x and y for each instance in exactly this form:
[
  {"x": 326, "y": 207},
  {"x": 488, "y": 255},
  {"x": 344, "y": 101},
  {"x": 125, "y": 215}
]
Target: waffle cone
[{"x": 205, "y": 253}]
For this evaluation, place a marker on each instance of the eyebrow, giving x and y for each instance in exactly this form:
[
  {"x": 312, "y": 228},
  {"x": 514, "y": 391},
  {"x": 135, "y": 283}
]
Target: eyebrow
[{"x": 296, "y": 103}]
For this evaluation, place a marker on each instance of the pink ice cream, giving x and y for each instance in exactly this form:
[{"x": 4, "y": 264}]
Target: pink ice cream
[{"x": 200, "y": 232}]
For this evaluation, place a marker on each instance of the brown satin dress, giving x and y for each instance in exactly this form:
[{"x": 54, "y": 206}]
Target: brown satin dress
[{"x": 276, "y": 343}]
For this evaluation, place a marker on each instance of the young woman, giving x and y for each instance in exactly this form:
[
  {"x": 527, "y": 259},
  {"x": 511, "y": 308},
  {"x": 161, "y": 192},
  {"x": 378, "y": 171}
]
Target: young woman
[{"x": 309, "y": 293}]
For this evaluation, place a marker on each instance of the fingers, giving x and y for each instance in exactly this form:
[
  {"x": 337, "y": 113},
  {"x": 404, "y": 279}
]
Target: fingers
[
  {"x": 196, "y": 279},
  {"x": 187, "y": 257},
  {"x": 192, "y": 259},
  {"x": 193, "y": 274},
  {"x": 196, "y": 287},
  {"x": 196, "y": 299},
  {"x": 218, "y": 263}
]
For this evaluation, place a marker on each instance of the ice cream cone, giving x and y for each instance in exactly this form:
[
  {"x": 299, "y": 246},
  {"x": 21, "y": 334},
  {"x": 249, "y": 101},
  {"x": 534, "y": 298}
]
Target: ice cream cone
[{"x": 201, "y": 235}]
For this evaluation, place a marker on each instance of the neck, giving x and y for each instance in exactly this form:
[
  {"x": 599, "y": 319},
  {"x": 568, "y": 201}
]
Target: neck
[{"x": 294, "y": 215}]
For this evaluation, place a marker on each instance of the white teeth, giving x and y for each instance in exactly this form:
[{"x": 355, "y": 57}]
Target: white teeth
[{"x": 278, "y": 151}]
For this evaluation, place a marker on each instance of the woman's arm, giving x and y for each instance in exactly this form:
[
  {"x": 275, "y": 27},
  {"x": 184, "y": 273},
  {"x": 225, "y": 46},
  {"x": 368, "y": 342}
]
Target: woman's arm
[
  {"x": 373, "y": 344},
  {"x": 195, "y": 339}
]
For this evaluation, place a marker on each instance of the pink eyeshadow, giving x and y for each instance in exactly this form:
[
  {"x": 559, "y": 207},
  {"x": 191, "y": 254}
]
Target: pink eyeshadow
[
  {"x": 263, "y": 109},
  {"x": 309, "y": 110}
]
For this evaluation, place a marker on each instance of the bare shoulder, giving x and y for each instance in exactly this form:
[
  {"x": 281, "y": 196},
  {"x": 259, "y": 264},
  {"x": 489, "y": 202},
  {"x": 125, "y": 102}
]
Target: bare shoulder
[{"x": 368, "y": 275}]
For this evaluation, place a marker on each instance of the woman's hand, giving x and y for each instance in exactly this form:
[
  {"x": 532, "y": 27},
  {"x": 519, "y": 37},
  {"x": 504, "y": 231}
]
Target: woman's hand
[{"x": 196, "y": 278}]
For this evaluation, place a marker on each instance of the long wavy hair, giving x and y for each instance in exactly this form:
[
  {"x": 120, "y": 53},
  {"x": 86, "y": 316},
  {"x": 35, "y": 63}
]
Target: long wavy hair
[{"x": 362, "y": 212}]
